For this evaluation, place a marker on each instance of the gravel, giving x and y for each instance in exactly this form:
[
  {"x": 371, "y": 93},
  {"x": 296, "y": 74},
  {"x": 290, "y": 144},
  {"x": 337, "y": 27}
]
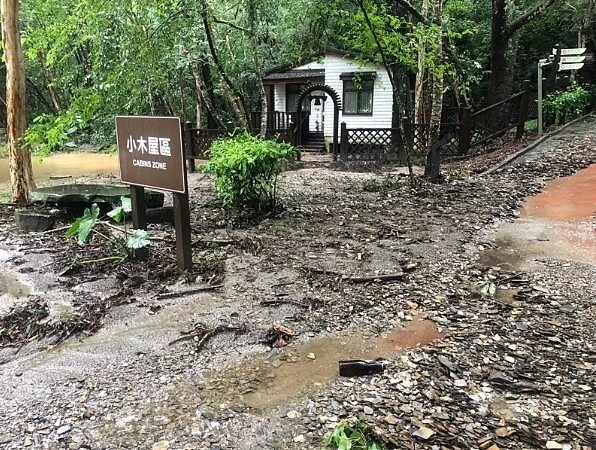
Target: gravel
[{"x": 514, "y": 368}]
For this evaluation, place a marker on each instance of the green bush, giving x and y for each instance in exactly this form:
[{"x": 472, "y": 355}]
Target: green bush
[
  {"x": 568, "y": 104},
  {"x": 352, "y": 435},
  {"x": 246, "y": 170}
]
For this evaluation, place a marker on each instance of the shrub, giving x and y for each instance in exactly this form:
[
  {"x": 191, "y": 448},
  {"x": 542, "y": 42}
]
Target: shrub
[
  {"x": 246, "y": 170},
  {"x": 568, "y": 104},
  {"x": 352, "y": 435}
]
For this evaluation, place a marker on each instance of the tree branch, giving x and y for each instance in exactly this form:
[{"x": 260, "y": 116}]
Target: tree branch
[
  {"x": 528, "y": 16},
  {"x": 232, "y": 25},
  {"x": 412, "y": 10}
]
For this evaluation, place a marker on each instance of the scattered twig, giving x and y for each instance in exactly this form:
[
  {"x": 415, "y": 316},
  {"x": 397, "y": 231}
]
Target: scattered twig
[
  {"x": 398, "y": 276},
  {"x": 204, "y": 334},
  {"x": 165, "y": 295},
  {"x": 280, "y": 301}
]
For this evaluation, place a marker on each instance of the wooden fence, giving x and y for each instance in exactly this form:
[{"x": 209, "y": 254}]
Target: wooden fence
[{"x": 461, "y": 130}]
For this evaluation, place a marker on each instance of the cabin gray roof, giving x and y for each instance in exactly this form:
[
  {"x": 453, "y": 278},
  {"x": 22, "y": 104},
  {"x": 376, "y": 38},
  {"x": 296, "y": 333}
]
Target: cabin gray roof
[{"x": 295, "y": 74}]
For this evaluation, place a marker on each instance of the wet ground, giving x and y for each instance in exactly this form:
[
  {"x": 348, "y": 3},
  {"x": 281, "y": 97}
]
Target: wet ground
[
  {"x": 130, "y": 386},
  {"x": 560, "y": 222}
]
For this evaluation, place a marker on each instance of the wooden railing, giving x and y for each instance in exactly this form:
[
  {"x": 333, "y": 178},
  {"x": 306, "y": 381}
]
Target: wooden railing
[{"x": 460, "y": 130}]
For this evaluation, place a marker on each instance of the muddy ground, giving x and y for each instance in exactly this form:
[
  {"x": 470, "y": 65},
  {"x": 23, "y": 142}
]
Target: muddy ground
[{"x": 486, "y": 318}]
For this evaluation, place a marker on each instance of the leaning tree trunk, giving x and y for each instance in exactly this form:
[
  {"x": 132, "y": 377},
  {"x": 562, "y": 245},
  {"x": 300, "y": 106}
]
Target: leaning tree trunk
[{"x": 21, "y": 172}]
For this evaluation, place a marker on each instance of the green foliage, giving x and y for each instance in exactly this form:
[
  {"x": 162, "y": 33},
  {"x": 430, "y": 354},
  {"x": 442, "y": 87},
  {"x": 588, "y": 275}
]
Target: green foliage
[
  {"x": 355, "y": 435},
  {"x": 570, "y": 103},
  {"x": 49, "y": 133},
  {"x": 246, "y": 170},
  {"x": 83, "y": 225},
  {"x": 125, "y": 246},
  {"x": 388, "y": 183}
]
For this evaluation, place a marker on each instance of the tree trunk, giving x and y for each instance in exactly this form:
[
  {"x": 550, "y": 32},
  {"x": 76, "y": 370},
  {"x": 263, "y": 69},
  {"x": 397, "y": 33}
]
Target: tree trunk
[
  {"x": 236, "y": 100},
  {"x": 422, "y": 98},
  {"x": 437, "y": 80},
  {"x": 198, "y": 70},
  {"x": 498, "y": 51},
  {"x": 501, "y": 32},
  {"x": 584, "y": 30},
  {"x": 21, "y": 172},
  {"x": 252, "y": 26}
]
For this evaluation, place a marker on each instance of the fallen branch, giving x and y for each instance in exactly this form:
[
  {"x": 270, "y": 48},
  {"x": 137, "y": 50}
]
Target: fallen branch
[
  {"x": 204, "y": 334},
  {"x": 189, "y": 291},
  {"x": 280, "y": 301},
  {"x": 398, "y": 276}
]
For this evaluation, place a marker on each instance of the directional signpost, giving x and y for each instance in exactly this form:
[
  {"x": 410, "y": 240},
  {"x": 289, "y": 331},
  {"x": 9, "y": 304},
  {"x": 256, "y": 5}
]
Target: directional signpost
[
  {"x": 570, "y": 51},
  {"x": 569, "y": 59},
  {"x": 572, "y": 58}
]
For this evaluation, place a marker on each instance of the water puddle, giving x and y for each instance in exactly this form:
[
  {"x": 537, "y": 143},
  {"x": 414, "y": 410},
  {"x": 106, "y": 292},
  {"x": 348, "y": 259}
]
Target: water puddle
[
  {"x": 11, "y": 291},
  {"x": 12, "y": 287},
  {"x": 569, "y": 199},
  {"x": 558, "y": 223},
  {"x": 67, "y": 165},
  {"x": 265, "y": 384}
]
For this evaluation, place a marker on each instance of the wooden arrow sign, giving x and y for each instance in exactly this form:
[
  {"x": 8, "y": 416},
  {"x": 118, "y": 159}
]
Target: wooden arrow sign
[
  {"x": 574, "y": 66},
  {"x": 570, "y": 51},
  {"x": 572, "y": 59}
]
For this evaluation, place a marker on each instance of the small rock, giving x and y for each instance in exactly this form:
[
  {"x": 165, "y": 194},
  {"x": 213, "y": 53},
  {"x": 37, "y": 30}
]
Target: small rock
[
  {"x": 424, "y": 433},
  {"x": 161, "y": 445},
  {"x": 311, "y": 356},
  {"x": 300, "y": 438},
  {"x": 553, "y": 445},
  {"x": 504, "y": 432},
  {"x": 63, "y": 429},
  {"x": 368, "y": 410},
  {"x": 293, "y": 414},
  {"x": 391, "y": 419},
  {"x": 5, "y": 438}
]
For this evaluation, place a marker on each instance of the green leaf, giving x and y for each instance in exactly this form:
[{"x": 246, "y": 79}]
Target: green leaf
[
  {"x": 138, "y": 239},
  {"x": 83, "y": 225},
  {"x": 119, "y": 213}
]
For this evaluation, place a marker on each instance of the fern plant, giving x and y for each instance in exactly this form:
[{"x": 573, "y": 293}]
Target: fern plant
[{"x": 354, "y": 435}]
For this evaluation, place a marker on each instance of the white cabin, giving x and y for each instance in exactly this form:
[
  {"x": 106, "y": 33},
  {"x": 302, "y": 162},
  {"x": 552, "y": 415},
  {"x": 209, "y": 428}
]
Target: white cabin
[{"x": 364, "y": 90}]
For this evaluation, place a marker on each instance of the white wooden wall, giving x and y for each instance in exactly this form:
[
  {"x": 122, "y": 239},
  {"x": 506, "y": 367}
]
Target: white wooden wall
[{"x": 334, "y": 66}]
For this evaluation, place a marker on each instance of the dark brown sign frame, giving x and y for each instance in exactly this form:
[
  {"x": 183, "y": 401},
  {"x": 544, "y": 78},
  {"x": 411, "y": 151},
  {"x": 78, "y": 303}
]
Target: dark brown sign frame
[{"x": 150, "y": 152}]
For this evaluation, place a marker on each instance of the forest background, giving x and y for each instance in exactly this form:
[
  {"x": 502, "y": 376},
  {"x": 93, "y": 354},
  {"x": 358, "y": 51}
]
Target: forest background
[{"x": 86, "y": 61}]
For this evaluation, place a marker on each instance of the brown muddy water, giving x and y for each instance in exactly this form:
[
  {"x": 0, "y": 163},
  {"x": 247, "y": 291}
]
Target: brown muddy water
[
  {"x": 558, "y": 223},
  {"x": 264, "y": 384},
  {"x": 569, "y": 199},
  {"x": 67, "y": 165}
]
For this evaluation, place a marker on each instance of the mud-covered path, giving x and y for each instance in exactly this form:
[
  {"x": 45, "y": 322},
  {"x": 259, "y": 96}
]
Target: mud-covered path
[{"x": 512, "y": 368}]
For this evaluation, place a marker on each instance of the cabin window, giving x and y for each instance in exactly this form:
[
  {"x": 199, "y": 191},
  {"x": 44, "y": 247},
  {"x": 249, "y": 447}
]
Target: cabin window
[
  {"x": 358, "y": 93},
  {"x": 292, "y": 92}
]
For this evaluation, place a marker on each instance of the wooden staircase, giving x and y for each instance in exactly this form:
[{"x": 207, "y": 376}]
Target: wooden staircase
[{"x": 315, "y": 143}]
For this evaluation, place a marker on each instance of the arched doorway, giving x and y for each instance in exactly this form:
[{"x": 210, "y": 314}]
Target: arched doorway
[{"x": 336, "y": 109}]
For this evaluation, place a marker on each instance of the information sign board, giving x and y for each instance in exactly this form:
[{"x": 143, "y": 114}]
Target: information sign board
[
  {"x": 575, "y": 66},
  {"x": 150, "y": 152},
  {"x": 570, "y": 51},
  {"x": 572, "y": 59}
]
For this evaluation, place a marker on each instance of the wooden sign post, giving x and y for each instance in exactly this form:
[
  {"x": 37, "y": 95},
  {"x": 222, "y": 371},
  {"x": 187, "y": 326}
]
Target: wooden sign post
[{"x": 151, "y": 154}]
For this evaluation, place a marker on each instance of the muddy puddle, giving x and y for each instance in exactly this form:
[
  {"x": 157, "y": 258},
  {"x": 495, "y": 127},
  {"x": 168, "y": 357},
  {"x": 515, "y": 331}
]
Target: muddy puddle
[
  {"x": 297, "y": 371},
  {"x": 11, "y": 291},
  {"x": 67, "y": 165},
  {"x": 557, "y": 223}
]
